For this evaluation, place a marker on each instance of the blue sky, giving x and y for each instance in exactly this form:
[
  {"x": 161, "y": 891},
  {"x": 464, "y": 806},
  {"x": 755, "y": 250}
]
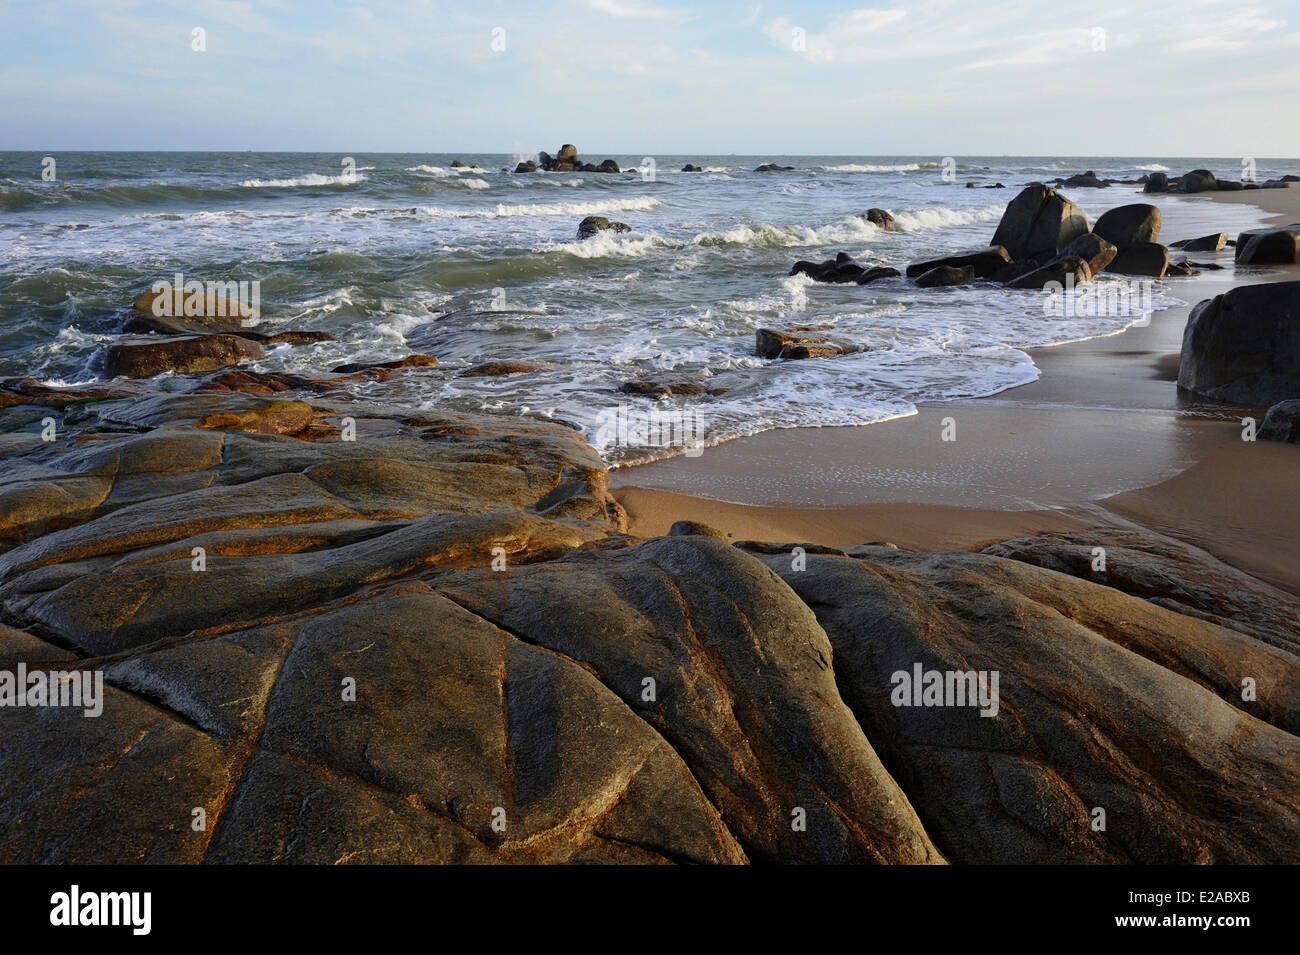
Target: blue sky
[{"x": 632, "y": 77}]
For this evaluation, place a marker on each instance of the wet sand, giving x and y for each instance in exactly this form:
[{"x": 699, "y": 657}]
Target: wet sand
[{"x": 1102, "y": 438}]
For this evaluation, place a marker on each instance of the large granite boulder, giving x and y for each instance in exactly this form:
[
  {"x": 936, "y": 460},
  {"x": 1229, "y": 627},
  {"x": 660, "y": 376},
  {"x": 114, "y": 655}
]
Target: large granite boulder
[
  {"x": 1198, "y": 180},
  {"x": 1244, "y": 346},
  {"x": 1128, "y": 225},
  {"x": 1272, "y": 246},
  {"x": 1039, "y": 220},
  {"x": 1067, "y": 270}
]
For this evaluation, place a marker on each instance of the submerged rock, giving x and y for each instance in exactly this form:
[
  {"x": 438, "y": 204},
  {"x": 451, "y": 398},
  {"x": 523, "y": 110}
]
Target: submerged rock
[
  {"x": 594, "y": 224},
  {"x": 882, "y": 220},
  {"x": 946, "y": 275},
  {"x": 144, "y": 356},
  {"x": 771, "y": 343}
]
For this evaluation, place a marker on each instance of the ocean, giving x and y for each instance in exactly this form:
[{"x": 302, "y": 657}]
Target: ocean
[{"x": 378, "y": 251}]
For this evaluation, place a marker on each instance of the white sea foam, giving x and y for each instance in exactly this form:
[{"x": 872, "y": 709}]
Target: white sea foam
[
  {"x": 474, "y": 183},
  {"x": 1152, "y": 167},
  {"x": 939, "y": 217},
  {"x": 505, "y": 210},
  {"x": 311, "y": 179},
  {"x": 856, "y": 167}
]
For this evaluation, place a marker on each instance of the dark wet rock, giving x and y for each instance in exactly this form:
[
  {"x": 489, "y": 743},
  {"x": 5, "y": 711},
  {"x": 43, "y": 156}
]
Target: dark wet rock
[
  {"x": 984, "y": 261},
  {"x": 668, "y": 384},
  {"x": 772, "y": 167},
  {"x": 594, "y": 224},
  {"x": 841, "y": 269},
  {"x": 946, "y": 275},
  {"x": 1093, "y": 249},
  {"x": 607, "y": 165},
  {"x": 877, "y": 272},
  {"x": 1086, "y": 180},
  {"x": 1180, "y": 269},
  {"x": 144, "y": 356},
  {"x": 882, "y": 219},
  {"x": 1063, "y": 271},
  {"x": 1275, "y": 184},
  {"x": 410, "y": 361},
  {"x": 526, "y": 166},
  {"x": 1270, "y": 246},
  {"x": 457, "y": 164},
  {"x": 1156, "y": 182},
  {"x": 689, "y": 168},
  {"x": 1079, "y": 666},
  {"x": 1207, "y": 243},
  {"x": 1128, "y": 225},
  {"x": 1227, "y": 185},
  {"x": 771, "y": 343},
  {"x": 1242, "y": 346},
  {"x": 1039, "y": 220},
  {"x": 1282, "y": 423},
  {"x": 1198, "y": 180},
  {"x": 497, "y": 368},
  {"x": 1141, "y": 258}
]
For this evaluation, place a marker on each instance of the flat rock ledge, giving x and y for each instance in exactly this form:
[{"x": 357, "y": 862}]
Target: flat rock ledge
[{"x": 358, "y": 633}]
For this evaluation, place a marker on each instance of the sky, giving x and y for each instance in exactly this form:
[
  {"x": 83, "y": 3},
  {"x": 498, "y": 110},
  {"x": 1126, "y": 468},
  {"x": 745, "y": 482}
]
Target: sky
[{"x": 634, "y": 77}]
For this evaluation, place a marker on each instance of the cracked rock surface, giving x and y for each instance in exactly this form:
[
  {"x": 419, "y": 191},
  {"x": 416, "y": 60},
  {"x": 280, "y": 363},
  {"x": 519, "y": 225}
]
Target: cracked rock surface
[{"x": 350, "y": 632}]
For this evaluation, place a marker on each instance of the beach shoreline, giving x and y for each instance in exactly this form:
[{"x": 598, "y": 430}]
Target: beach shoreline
[{"x": 1101, "y": 439}]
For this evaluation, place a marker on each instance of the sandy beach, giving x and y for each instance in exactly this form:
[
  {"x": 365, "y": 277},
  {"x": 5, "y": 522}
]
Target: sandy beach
[{"x": 1103, "y": 438}]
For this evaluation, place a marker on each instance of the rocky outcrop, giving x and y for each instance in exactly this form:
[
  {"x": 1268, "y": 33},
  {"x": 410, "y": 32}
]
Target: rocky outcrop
[
  {"x": 1038, "y": 221},
  {"x": 1244, "y": 345},
  {"x": 1129, "y": 225},
  {"x": 566, "y": 160},
  {"x": 434, "y": 642},
  {"x": 594, "y": 224},
  {"x": 985, "y": 262},
  {"x": 946, "y": 275},
  {"x": 1115, "y": 717},
  {"x": 1273, "y": 246},
  {"x": 1282, "y": 423},
  {"x": 772, "y": 167}
]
